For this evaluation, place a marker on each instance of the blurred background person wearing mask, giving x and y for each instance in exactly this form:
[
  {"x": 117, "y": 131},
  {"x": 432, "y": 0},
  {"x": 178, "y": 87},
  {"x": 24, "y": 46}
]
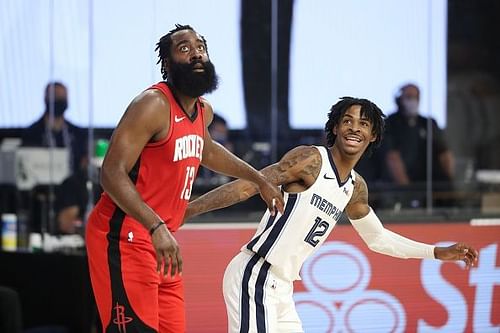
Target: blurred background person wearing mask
[
  {"x": 406, "y": 150},
  {"x": 57, "y": 132}
]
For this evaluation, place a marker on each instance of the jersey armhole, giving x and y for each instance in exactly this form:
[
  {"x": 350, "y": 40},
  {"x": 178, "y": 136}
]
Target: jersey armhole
[{"x": 163, "y": 89}]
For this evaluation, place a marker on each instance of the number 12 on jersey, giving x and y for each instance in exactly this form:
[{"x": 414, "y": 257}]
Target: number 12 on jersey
[
  {"x": 319, "y": 228},
  {"x": 188, "y": 183}
]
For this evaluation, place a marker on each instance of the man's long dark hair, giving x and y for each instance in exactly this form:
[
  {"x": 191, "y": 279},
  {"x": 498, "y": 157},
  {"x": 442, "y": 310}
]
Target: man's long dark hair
[
  {"x": 165, "y": 43},
  {"x": 368, "y": 109}
]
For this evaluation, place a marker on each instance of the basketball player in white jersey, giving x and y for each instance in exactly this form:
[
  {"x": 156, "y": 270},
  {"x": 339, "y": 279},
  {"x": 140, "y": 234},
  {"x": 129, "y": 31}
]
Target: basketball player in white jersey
[{"x": 319, "y": 183}]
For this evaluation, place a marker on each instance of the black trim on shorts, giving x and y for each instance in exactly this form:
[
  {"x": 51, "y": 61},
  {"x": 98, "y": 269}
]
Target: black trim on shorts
[
  {"x": 260, "y": 311},
  {"x": 123, "y": 316},
  {"x": 245, "y": 296}
]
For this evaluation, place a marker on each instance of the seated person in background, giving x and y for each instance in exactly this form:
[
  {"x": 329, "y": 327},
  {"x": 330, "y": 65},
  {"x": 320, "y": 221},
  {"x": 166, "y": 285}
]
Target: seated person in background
[
  {"x": 72, "y": 199},
  {"x": 220, "y": 133},
  {"x": 59, "y": 132},
  {"x": 406, "y": 147}
]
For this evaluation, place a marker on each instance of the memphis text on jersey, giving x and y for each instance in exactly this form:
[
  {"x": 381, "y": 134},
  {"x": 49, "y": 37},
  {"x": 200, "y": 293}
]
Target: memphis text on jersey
[
  {"x": 326, "y": 206},
  {"x": 188, "y": 146}
]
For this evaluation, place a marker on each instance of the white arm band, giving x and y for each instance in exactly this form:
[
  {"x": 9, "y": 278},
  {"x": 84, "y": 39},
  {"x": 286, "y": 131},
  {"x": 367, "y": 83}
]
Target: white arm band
[{"x": 387, "y": 242}]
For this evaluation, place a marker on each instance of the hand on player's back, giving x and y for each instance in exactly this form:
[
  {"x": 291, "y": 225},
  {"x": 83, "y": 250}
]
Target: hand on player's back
[{"x": 272, "y": 196}]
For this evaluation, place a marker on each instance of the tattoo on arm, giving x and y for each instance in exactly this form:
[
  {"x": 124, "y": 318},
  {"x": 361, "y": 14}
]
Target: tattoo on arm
[
  {"x": 223, "y": 196},
  {"x": 360, "y": 194},
  {"x": 358, "y": 205},
  {"x": 294, "y": 166},
  {"x": 313, "y": 167}
]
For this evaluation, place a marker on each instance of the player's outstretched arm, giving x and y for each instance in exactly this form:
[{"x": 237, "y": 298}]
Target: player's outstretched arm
[
  {"x": 296, "y": 165},
  {"x": 217, "y": 158},
  {"x": 382, "y": 240}
]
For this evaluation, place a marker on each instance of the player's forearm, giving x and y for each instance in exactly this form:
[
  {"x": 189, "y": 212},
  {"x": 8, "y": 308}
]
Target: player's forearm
[
  {"x": 384, "y": 241},
  {"x": 120, "y": 188},
  {"x": 220, "y": 160},
  {"x": 221, "y": 197}
]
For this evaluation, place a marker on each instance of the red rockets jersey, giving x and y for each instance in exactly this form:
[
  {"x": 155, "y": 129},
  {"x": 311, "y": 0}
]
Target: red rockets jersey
[{"x": 165, "y": 171}]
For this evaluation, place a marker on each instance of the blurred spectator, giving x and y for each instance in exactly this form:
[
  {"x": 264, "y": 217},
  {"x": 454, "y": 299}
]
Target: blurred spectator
[
  {"x": 473, "y": 108},
  {"x": 57, "y": 132},
  {"x": 72, "y": 201},
  {"x": 406, "y": 149},
  {"x": 72, "y": 196},
  {"x": 219, "y": 132}
]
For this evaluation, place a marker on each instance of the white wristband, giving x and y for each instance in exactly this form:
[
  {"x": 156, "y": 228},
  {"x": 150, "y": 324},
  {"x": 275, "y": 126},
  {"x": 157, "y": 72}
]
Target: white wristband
[{"x": 387, "y": 242}]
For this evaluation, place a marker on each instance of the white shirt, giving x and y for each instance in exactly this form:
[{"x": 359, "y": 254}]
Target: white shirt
[{"x": 287, "y": 240}]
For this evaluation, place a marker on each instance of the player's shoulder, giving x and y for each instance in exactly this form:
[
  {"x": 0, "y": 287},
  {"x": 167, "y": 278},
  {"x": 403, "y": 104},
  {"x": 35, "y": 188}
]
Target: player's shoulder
[
  {"x": 208, "y": 111},
  {"x": 301, "y": 159},
  {"x": 206, "y": 105},
  {"x": 150, "y": 106},
  {"x": 359, "y": 183},
  {"x": 151, "y": 97},
  {"x": 304, "y": 152}
]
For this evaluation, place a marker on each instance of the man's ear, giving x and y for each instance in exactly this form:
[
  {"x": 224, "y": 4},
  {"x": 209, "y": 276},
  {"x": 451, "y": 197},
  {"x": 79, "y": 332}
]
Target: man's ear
[
  {"x": 334, "y": 129},
  {"x": 374, "y": 137}
]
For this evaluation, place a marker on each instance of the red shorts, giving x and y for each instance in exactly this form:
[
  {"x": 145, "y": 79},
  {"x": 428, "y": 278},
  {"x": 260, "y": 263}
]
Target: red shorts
[{"x": 130, "y": 295}]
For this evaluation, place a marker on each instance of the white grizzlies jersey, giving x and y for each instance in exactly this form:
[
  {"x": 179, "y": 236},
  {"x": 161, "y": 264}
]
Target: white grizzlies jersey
[{"x": 287, "y": 240}]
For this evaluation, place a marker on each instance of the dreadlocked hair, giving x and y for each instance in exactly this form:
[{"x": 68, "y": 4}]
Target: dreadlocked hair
[
  {"x": 368, "y": 109},
  {"x": 164, "y": 44}
]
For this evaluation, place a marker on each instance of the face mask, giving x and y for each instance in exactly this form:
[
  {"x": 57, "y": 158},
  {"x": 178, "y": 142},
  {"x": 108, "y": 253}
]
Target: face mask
[
  {"x": 60, "y": 105},
  {"x": 410, "y": 106}
]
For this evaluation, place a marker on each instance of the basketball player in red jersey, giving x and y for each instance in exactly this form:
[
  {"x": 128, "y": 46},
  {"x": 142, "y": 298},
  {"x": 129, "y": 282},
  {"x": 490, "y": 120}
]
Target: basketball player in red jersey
[{"x": 147, "y": 176}]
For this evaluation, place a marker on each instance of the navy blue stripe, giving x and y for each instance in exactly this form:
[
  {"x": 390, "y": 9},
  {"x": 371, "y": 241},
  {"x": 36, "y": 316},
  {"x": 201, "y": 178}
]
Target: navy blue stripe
[
  {"x": 278, "y": 226},
  {"x": 245, "y": 297},
  {"x": 269, "y": 223},
  {"x": 259, "y": 297},
  {"x": 254, "y": 241},
  {"x": 334, "y": 167}
]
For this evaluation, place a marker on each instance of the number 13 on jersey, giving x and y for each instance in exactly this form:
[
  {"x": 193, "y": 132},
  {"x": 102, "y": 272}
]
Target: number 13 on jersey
[{"x": 188, "y": 183}]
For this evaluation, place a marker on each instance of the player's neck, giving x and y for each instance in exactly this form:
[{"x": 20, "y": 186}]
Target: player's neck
[
  {"x": 344, "y": 163},
  {"x": 187, "y": 103}
]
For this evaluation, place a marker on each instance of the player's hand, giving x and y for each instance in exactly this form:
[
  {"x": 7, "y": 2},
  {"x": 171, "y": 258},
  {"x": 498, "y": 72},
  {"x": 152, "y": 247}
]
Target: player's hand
[
  {"x": 272, "y": 196},
  {"x": 167, "y": 251},
  {"x": 458, "y": 251}
]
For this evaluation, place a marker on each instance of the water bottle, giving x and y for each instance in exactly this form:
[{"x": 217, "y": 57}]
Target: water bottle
[{"x": 9, "y": 232}]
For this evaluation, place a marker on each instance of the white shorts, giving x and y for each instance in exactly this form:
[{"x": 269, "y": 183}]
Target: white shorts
[{"x": 257, "y": 299}]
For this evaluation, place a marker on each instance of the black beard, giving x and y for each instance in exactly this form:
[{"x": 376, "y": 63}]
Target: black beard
[{"x": 191, "y": 83}]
